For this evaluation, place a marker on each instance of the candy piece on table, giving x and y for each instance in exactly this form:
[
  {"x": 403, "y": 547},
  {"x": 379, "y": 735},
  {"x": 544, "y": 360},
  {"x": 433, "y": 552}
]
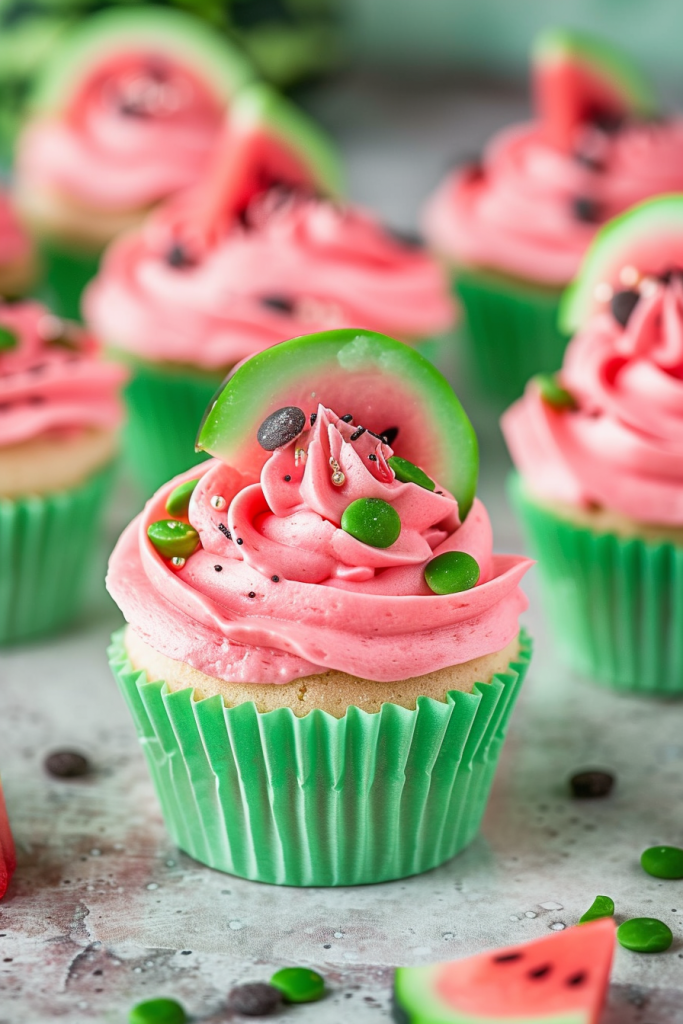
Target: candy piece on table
[
  {"x": 591, "y": 784},
  {"x": 663, "y": 861},
  {"x": 562, "y": 977},
  {"x": 157, "y": 1011},
  {"x": 66, "y": 764},
  {"x": 8, "y": 860},
  {"x": 342, "y": 369},
  {"x": 299, "y": 984},
  {"x": 578, "y": 78},
  {"x": 602, "y": 906},
  {"x": 254, "y": 999},
  {"x": 645, "y": 935}
]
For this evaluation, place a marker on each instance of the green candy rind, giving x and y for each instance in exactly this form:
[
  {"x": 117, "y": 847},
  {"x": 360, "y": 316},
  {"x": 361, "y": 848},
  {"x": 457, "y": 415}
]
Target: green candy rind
[
  {"x": 299, "y": 984},
  {"x": 172, "y": 538},
  {"x": 174, "y": 33},
  {"x": 361, "y": 367},
  {"x": 178, "y": 501},
  {"x": 602, "y": 906},
  {"x": 8, "y": 338},
  {"x": 552, "y": 393},
  {"x": 644, "y": 935},
  {"x": 157, "y": 1011},
  {"x": 408, "y": 473},
  {"x": 654, "y": 227},
  {"x": 663, "y": 861},
  {"x": 452, "y": 572},
  {"x": 372, "y": 521}
]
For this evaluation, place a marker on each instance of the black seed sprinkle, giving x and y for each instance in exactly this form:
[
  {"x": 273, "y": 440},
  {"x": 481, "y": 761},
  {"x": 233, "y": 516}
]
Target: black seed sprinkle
[
  {"x": 357, "y": 433},
  {"x": 389, "y": 435},
  {"x": 373, "y": 458},
  {"x": 218, "y": 568},
  {"x": 288, "y": 478},
  {"x": 347, "y": 418},
  {"x": 590, "y": 785},
  {"x": 251, "y": 594},
  {"x": 505, "y": 958},
  {"x": 314, "y": 417},
  {"x": 622, "y": 305},
  {"x": 278, "y": 302},
  {"x": 540, "y": 972},
  {"x": 607, "y": 122},
  {"x": 239, "y": 541},
  {"x": 129, "y": 109},
  {"x": 281, "y": 428},
  {"x": 254, "y": 999},
  {"x": 275, "y": 579},
  {"x": 577, "y": 979},
  {"x": 586, "y": 209},
  {"x": 223, "y": 528},
  {"x": 178, "y": 257},
  {"x": 66, "y": 764}
]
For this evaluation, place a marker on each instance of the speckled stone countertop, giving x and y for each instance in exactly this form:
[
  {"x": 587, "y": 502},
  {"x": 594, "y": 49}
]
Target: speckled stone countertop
[{"x": 104, "y": 911}]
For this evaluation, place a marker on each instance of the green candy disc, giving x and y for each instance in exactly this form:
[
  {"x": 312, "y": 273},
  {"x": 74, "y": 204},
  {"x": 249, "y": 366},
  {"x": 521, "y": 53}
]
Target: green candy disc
[
  {"x": 408, "y": 473},
  {"x": 157, "y": 1011},
  {"x": 299, "y": 984},
  {"x": 372, "y": 521},
  {"x": 645, "y": 935},
  {"x": 602, "y": 906},
  {"x": 8, "y": 338},
  {"x": 178, "y": 500},
  {"x": 663, "y": 861},
  {"x": 552, "y": 393},
  {"x": 452, "y": 572},
  {"x": 173, "y": 539}
]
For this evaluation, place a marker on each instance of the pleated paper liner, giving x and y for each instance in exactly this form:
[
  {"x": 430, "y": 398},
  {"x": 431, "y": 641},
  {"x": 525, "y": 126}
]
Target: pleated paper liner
[
  {"x": 509, "y": 332},
  {"x": 615, "y": 604},
  {"x": 66, "y": 272},
  {"x": 319, "y": 800},
  {"x": 46, "y": 547},
  {"x": 165, "y": 407}
]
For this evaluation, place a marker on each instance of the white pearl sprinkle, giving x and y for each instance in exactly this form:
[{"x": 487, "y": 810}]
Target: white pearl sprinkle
[
  {"x": 218, "y": 501},
  {"x": 338, "y": 479},
  {"x": 629, "y": 276},
  {"x": 603, "y": 292}
]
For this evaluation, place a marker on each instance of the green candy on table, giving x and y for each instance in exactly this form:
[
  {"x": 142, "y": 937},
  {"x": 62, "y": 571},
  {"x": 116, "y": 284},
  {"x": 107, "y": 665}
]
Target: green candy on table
[
  {"x": 299, "y": 984},
  {"x": 172, "y": 538},
  {"x": 178, "y": 501},
  {"x": 602, "y": 906},
  {"x": 553, "y": 393},
  {"x": 663, "y": 861},
  {"x": 157, "y": 1011},
  {"x": 408, "y": 473},
  {"x": 372, "y": 521},
  {"x": 645, "y": 935},
  {"x": 8, "y": 338},
  {"x": 452, "y": 572}
]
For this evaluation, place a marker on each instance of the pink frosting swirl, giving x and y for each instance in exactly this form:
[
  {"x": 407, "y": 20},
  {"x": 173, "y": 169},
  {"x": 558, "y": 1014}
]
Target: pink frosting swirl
[
  {"x": 14, "y": 241},
  {"x": 277, "y": 590},
  {"x": 300, "y": 265},
  {"x": 53, "y": 380},
  {"x": 622, "y": 447},
  {"x": 517, "y": 212},
  {"x": 137, "y": 130}
]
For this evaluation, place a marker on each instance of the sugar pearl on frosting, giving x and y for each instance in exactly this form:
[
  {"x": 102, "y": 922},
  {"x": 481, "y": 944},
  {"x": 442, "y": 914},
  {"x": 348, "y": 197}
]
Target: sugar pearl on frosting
[
  {"x": 218, "y": 501},
  {"x": 177, "y": 562}
]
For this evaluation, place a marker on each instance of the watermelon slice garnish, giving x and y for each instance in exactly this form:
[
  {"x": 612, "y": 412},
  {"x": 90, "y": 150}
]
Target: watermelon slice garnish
[
  {"x": 560, "y": 979},
  {"x": 384, "y": 385},
  {"x": 579, "y": 79},
  {"x": 646, "y": 241},
  {"x": 8, "y": 860}
]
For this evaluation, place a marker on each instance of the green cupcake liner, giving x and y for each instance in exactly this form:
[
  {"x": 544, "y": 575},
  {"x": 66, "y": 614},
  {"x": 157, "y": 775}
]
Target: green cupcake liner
[
  {"x": 46, "y": 547},
  {"x": 614, "y": 603},
  {"x": 319, "y": 800},
  {"x": 510, "y": 332},
  {"x": 165, "y": 407},
  {"x": 66, "y": 272}
]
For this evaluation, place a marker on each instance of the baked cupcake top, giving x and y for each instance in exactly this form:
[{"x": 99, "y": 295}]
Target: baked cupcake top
[
  {"x": 532, "y": 205},
  {"x": 129, "y": 109},
  {"x": 608, "y": 430},
  {"x": 316, "y": 539},
  {"x": 53, "y": 381},
  {"x": 291, "y": 265}
]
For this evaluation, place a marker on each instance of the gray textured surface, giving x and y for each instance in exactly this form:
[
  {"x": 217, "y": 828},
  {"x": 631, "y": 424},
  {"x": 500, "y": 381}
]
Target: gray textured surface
[{"x": 104, "y": 912}]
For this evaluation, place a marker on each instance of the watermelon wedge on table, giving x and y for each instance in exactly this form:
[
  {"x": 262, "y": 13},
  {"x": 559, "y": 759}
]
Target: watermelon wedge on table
[
  {"x": 8, "y": 860},
  {"x": 559, "y": 979}
]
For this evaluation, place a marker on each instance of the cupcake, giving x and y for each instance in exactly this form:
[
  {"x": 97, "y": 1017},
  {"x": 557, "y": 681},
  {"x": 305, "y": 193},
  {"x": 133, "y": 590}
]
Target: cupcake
[
  {"x": 59, "y": 416},
  {"x": 125, "y": 114},
  {"x": 322, "y": 650},
  {"x": 17, "y": 262},
  {"x": 183, "y": 313},
  {"x": 516, "y": 226},
  {"x": 599, "y": 457}
]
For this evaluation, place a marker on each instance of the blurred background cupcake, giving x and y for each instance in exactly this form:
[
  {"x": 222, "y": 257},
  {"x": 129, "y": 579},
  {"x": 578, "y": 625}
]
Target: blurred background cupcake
[
  {"x": 60, "y": 413},
  {"x": 125, "y": 113},
  {"x": 514, "y": 226},
  {"x": 599, "y": 455}
]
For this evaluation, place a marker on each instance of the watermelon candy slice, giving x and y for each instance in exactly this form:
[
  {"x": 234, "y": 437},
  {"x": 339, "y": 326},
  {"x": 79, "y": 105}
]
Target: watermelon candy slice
[
  {"x": 644, "y": 242},
  {"x": 385, "y": 386},
  {"x": 560, "y": 979},
  {"x": 579, "y": 79},
  {"x": 8, "y": 860}
]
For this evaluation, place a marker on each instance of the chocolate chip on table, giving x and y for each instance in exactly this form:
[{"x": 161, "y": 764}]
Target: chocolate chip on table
[
  {"x": 622, "y": 305},
  {"x": 254, "y": 999},
  {"x": 589, "y": 785},
  {"x": 66, "y": 764}
]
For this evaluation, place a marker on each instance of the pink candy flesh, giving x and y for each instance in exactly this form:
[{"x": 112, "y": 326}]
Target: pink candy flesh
[{"x": 335, "y": 603}]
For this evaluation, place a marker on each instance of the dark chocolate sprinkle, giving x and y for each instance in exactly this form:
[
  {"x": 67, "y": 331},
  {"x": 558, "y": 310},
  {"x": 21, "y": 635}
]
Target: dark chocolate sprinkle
[
  {"x": 254, "y": 999},
  {"x": 389, "y": 435},
  {"x": 357, "y": 433},
  {"x": 607, "y": 122},
  {"x": 178, "y": 257},
  {"x": 373, "y": 458},
  {"x": 505, "y": 958},
  {"x": 251, "y": 594},
  {"x": 66, "y": 764},
  {"x": 281, "y": 428},
  {"x": 577, "y": 979},
  {"x": 288, "y": 478},
  {"x": 586, "y": 209},
  {"x": 347, "y": 417},
  {"x": 275, "y": 579},
  {"x": 239, "y": 540},
  {"x": 589, "y": 785},
  {"x": 540, "y": 972},
  {"x": 314, "y": 417},
  {"x": 622, "y": 305},
  {"x": 278, "y": 302},
  {"x": 218, "y": 568},
  {"x": 223, "y": 528}
]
